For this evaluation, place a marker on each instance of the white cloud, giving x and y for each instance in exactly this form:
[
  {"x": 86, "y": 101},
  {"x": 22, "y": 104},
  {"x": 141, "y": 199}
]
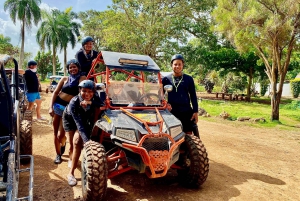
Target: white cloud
[{"x": 8, "y": 28}]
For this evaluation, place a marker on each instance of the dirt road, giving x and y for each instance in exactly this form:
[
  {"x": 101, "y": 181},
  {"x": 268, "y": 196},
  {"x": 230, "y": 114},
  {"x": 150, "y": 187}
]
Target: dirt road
[{"x": 246, "y": 163}]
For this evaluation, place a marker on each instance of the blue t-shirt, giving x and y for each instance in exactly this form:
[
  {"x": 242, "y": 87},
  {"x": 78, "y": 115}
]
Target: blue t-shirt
[
  {"x": 32, "y": 81},
  {"x": 183, "y": 93}
]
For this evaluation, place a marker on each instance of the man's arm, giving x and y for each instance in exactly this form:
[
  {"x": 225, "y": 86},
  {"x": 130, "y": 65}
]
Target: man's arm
[{"x": 193, "y": 96}]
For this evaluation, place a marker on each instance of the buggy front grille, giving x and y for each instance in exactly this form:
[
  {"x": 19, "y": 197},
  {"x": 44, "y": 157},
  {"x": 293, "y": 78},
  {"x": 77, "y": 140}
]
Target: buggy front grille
[{"x": 156, "y": 143}]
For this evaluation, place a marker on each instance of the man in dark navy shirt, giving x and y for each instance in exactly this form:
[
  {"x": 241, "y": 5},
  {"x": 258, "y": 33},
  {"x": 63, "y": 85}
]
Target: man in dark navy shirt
[
  {"x": 86, "y": 55},
  {"x": 32, "y": 83},
  {"x": 182, "y": 98}
]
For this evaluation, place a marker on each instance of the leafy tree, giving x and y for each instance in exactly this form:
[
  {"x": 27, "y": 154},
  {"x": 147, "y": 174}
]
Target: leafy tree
[
  {"x": 5, "y": 46},
  {"x": 28, "y": 12},
  {"x": 271, "y": 27},
  {"x": 150, "y": 27},
  {"x": 44, "y": 60}
]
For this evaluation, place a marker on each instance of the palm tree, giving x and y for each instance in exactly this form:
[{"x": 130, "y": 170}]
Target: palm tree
[
  {"x": 26, "y": 11},
  {"x": 50, "y": 33},
  {"x": 71, "y": 32}
]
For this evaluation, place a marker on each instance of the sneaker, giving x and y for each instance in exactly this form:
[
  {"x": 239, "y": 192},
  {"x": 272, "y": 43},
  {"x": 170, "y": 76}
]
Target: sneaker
[{"x": 57, "y": 159}]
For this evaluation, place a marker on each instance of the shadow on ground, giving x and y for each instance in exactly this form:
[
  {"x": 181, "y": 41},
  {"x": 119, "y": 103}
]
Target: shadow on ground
[{"x": 220, "y": 185}]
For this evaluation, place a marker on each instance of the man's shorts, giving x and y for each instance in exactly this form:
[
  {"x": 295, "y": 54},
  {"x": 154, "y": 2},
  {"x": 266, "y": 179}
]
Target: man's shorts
[
  {"x": 68, "y": 122},
  {"x": 32, "y": 96},
  {"x": 185, "y": 118}
]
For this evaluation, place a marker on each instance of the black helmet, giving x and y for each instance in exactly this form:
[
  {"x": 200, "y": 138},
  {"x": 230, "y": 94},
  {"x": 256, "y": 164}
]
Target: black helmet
[
  {"x": 89, "y": 84},
  {"x": 177, "y": 56},
  {"x": 31, "y": 63},
  {"x": 87, "y": 39},
  {"x": 73, "y": 61}
]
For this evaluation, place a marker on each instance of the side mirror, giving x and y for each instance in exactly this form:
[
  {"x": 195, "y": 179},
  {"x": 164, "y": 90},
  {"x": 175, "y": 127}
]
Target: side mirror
[
  {"x": 100, "y": 86},
  {"x": 168, "y": 88}
]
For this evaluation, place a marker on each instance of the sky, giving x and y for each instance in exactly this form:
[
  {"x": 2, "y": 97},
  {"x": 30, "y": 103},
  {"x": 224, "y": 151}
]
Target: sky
[{"x": 9, "y": 29}]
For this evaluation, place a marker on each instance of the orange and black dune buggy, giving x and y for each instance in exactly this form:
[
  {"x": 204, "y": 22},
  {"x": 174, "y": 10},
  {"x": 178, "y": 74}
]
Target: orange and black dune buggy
[{"x": 136, "y": 131}]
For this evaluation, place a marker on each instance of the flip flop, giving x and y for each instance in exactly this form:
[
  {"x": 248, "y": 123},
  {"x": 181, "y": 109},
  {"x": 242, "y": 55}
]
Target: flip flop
[
  {"x": 42, "y": 118},
  {"x": 71, "y": 180}
]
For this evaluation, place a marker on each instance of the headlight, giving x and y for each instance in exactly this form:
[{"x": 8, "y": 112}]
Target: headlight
[
  {"x": 126, "y": 134},
  {"x": 174, "y": 131}
]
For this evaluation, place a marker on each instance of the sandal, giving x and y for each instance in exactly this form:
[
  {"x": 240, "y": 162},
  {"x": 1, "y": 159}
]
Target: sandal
[
  {"x": 40, "y": 119},
  {"x": 71, "y": 180}
]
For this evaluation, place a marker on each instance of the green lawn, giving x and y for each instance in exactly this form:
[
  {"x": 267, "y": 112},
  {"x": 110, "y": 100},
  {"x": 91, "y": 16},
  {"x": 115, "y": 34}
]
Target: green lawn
[{"x": 289, "y": 112}]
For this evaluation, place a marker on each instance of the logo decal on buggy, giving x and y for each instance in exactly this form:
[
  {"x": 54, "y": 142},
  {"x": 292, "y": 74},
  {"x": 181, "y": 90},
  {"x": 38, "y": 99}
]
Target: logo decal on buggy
[
  {"x": 107, "y": 118},
  {"x": 147, "y": 117}
]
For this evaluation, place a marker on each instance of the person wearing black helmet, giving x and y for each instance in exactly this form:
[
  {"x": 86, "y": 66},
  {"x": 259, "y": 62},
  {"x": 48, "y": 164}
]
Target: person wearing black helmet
[
  {"x": 183, "y": 95},
  {"x": 79, "y": 116},
  {"x": 66, "y": 89},
  {"x": 86, "y": 55},
  {"x": 32, "y": 83}
]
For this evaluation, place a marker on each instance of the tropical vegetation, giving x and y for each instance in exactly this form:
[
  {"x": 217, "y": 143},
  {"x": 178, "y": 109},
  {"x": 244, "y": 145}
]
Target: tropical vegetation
[{"x": 230, "y": 44}]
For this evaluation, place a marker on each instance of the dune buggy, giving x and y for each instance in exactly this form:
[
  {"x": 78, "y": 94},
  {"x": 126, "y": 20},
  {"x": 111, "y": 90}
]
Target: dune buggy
[
  {"x": 13, "y": 128},
  {"x": 25, "y": 115},
  {"x": 136, "y": 131},
  {"x": 54, "y": 79}
]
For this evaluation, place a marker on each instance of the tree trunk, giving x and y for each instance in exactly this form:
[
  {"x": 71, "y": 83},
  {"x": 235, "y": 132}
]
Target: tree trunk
[
  {"x": 65, "y": 61},
  {"x": 54, "y": 60},
  {"x": 21, "y": 59},
  {"x": 250, "y": 78},
  {"x": 275, "y": 101}
]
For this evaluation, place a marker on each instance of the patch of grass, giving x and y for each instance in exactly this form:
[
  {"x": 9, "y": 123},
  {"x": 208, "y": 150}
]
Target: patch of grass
[{"x": 289, "y": 118}]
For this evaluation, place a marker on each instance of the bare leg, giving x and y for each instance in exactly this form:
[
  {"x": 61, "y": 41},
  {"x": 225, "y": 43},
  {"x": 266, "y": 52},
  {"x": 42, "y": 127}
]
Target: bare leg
[
  {"x": 30, "y": 105},
  {"x": 77, "y": 143},
  {"x": 55, "y": 123},
  {"x": 71, "y": 136},
  {"x": 38, "y": 108},
  {"x": 61, "y": 134}
]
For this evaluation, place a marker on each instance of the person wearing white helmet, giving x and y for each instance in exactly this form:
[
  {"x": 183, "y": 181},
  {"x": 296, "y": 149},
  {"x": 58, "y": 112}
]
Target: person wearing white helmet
[
  {"x": 79, "y": 116},
  {"x": 183, "y": 98}
]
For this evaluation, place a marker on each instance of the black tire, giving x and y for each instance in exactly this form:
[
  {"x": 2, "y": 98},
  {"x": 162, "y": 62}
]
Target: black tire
[
  {"x": 28, "y": 115},
  {"x": 47, "y": 90},
  {"x": 194, "y": 162},
  {"x": 25, "y": 140},
  {"x": 94, "y": 171}
]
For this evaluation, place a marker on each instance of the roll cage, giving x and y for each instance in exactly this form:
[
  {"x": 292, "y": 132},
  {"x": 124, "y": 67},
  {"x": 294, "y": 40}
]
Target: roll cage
[{"x": 135, "y": 67}]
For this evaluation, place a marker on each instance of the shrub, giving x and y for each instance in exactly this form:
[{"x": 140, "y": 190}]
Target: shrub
[
  {"x": 295, "y": 87},
  {"x": 209, "y": 86},
  {"x": 294, "y": 105}
]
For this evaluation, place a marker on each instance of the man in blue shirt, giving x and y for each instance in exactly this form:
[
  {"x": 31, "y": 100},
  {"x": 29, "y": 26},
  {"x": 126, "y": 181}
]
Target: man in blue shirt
[
  {"x": 182, "y": 98},
  {"x": 32, "y": 83}
]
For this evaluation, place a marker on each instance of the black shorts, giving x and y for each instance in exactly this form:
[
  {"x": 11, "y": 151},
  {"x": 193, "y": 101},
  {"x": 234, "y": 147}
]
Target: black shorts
[
  {"x": 185, "y": 118},
  {"x": 68, "y": 122}
]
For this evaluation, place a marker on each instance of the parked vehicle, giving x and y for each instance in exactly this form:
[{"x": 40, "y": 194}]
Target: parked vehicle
[
  {"x": 136, "y": 131},
  {"x": 25, "y": 115},
  {"x": 54, "y": 79},
  {"x": 14, "y": 127}
]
